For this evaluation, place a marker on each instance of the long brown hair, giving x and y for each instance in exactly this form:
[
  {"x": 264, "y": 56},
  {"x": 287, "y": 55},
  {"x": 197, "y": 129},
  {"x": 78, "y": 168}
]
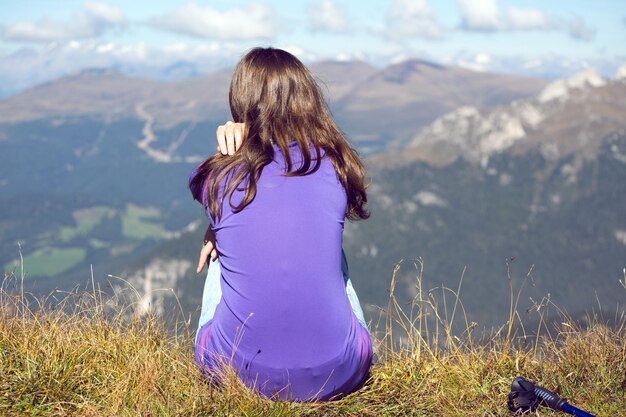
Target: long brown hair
[{"x": 277, "y": 98}]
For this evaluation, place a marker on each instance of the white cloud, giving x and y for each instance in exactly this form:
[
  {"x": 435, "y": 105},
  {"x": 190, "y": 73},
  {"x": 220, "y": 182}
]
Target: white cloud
[
  {"x": 30, "y": 66},
  {"x": 412, "y": 18},
  {"x": 326, "y": 16},
  {"x": 480, "y": 15},
  {"x": 255, "y": 21},
  {"x": 486, "y": 16},
  {"x": 353, "y": 55},
  {"x": 92, "y": 21},
  {"x": 104, "y": 13},
  {"x": 481, "y": 62},
  {"x": 302, "y": 54},
  {"x": 524, "y": 19},
  {"x": 547, "y": 66}
]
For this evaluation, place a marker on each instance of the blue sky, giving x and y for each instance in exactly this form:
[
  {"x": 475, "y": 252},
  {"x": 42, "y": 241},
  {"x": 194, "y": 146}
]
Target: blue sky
[{"x": 41, "y": 39}]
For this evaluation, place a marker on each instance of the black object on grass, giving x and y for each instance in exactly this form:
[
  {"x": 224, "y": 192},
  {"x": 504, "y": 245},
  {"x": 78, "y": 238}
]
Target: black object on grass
[{"x": 526, "y": 396}]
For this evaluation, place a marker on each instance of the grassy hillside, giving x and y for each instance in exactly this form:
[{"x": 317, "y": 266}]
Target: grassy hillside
[{"x": 86, "y": 353}]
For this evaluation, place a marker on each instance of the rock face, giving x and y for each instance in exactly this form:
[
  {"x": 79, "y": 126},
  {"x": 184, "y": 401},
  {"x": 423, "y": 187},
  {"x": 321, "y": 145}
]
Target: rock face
[
  {"x": 569, "y": 115},
  {"x": 560, "y": 89},
  {"x": 539, "y": 180},
  {"x": 560, "y": 217},
  {"x": 155, "y": 283}
]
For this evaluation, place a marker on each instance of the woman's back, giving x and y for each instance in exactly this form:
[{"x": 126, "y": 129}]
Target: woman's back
[{"x": 285, "y": 322}]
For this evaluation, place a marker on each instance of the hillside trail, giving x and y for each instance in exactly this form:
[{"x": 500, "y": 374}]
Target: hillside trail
[{"x": 149, "y": 137}]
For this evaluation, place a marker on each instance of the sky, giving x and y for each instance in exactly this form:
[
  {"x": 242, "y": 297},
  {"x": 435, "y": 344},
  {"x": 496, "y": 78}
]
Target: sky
[{"x": 42, "y": 40}]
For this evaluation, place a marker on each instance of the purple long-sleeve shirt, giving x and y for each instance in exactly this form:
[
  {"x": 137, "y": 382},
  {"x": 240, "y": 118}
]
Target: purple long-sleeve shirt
[{"x": 284, "y": 321}]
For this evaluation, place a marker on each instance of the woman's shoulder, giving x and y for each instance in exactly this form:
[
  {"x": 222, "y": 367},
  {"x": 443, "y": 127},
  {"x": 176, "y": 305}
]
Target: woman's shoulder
[{"x": 296, "y": 152}]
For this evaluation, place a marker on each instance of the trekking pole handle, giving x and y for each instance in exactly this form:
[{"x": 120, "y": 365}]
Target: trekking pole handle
[
  {"x": 557, "y": 403},
  {"x": 526, "y": 396}
]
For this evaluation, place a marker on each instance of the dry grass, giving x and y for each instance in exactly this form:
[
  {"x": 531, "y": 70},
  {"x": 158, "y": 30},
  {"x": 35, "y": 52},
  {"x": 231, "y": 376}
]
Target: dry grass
[{"x": 87, "y": 355}]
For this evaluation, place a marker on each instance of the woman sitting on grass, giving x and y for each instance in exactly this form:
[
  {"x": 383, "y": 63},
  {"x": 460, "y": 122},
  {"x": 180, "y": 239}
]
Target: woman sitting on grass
[{"x": 282, "y": 317}]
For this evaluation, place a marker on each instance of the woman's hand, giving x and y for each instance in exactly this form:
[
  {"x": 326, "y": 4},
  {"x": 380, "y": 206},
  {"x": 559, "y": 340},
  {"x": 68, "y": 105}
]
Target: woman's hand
[
  {"x": 208, "y": 250},
  {"x": 229, "y": 137}
]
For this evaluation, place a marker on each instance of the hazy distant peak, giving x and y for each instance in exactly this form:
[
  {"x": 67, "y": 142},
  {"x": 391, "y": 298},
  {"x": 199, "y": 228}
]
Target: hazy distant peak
[
  {"x": 94, "y": 73},
  {"x": 99, "y": 71},
  {"x": 560, "y": 89},
  {"x": 416, "y": 62},
  {"x": 340, "y": 62},
  {"x": 400, "y": 72}
]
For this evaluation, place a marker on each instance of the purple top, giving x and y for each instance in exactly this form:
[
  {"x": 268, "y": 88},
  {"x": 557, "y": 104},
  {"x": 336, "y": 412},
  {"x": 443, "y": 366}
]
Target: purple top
[{"x": 284, "y": 321}]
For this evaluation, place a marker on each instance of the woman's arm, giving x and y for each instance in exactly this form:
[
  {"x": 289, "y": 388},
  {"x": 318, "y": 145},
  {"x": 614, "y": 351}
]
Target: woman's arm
[{"x": 229, "y": 137}]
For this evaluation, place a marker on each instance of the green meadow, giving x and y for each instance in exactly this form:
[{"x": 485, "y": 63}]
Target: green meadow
[
  {"x": 86, "y": 220},
  {"x": 137, "y": 224},
  {"x": 49, "y": 261}
]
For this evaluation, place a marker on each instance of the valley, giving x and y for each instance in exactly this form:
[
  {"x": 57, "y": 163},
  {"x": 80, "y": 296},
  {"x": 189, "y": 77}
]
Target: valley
[{"x": 470, "y": 172}]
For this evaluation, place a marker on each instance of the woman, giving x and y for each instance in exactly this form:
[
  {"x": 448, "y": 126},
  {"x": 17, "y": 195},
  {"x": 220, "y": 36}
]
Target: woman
[{"x": 284, "y": 320}]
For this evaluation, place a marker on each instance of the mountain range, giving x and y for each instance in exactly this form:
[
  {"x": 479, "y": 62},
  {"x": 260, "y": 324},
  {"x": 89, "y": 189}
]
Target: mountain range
[
  {"x": 377, "y": 107},
  {"x": 468, "y": 170}
]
